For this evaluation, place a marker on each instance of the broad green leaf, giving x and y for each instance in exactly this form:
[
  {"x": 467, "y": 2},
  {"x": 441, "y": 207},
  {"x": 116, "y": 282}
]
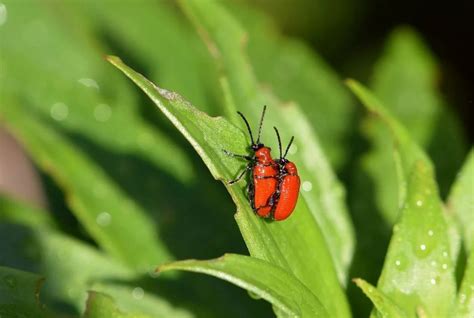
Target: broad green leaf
[
  {"x": 465, "y": 299},
  {"x": 461, "y": 201},
  {"x": 117, "y": 224},
  {"x": 100, "y": 305},
  {"x": 406, "y": 81},
  {"x": 19, "y": 294},
  {"x": 287, "y": 244},
  {"x": 265, "y": 280},
  {"x": 418, "y": 273},
  {"x": 322, "y": 193},
  {"x": 74, "y": 87},
  {"x": 296, "y": 73},
  {"x": 385, "y": 307}
]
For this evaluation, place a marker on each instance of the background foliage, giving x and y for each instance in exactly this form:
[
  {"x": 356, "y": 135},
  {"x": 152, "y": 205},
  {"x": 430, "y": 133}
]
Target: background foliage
[{"x": 386, "y": 188}]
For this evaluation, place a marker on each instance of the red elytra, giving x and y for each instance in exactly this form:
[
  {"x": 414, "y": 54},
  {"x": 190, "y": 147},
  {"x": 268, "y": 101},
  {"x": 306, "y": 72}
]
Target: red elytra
[
  {"x": 288, "y": 188},
  {"x": 263, "y": 183}
]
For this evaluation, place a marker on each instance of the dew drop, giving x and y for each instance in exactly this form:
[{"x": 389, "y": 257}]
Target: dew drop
[
  {"x": 307, "y": 186},
  {"x": 444, "y": 266},
  {"x": 419, "y": 203},
  {"x": 3, "y": 14},
  {"x": 433, "y": 263},
  {"x": 138, "y": 293},
  {"x": 445, "y": 254},
  {"x": 59, "y": 111},
  {"x": 433, "y": 281},
  {"x": 397, "y": 262},
  {"x": 293, "y": 150},
  {"x": 89, "y": 82},
  {"x": 423, "y": 247},
  {"x": 103, "y": 218},
  {"x": 430, "y": 232},
  {"x": 254, "y": 295},
  {"x": 102, "y": 112}
]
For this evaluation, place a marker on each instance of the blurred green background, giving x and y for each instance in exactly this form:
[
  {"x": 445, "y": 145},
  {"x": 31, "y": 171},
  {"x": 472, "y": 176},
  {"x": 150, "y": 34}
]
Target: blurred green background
[{"x": 97, "y": 143}]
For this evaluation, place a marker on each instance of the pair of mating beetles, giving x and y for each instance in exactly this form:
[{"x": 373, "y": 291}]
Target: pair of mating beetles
[{"x": 274, "y": 184}]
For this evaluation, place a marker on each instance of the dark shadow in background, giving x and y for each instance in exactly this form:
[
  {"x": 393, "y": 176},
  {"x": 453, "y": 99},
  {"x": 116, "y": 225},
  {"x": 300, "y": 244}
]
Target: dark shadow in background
[{"x": 447, "y": 27}]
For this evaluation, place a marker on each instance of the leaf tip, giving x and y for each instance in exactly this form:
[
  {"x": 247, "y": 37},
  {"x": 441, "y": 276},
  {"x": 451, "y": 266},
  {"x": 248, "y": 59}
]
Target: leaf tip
[
  {"x": 358, "y": 281},
  {"x": 350, "y": 82},
  {"x": 114, "y": 60}
]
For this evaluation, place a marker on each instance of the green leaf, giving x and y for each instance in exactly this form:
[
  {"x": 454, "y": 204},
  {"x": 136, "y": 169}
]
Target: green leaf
[
  {"x": 265, "y": 280},
  {"x": 465, "y": 299},
  {"x": 101, "y": 305},
  {"x": 385, "y": 307},
  {"x": 322, "y": 193},
  {"x": 461, "y": 201},
  {"x": 87, "y": 97},
  {"x": 287, "y": 244},
  {"x": 19, "y": 294},
  {"x": 406, "y": 80},
  {"x": 117, "y": 224},
  {"x": 418, "y": 270}
]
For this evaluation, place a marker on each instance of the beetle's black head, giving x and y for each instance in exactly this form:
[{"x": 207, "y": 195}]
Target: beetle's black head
[{"x": 255, "y": 147}]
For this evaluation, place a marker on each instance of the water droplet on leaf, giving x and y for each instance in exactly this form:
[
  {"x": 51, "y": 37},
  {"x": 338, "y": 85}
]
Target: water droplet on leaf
[
  {"x": 138, "y": 293},
  {"x": 103, "y": 218},
  {"x": 89, "y": 82},
  {"x": 3, "y": 14},
  {"x": 59, "y": 111},
  {"x": 307, "y": 186},
  {"x": 102, "y": 112}
]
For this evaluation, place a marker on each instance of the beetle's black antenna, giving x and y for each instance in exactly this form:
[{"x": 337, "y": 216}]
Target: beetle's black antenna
[
  {"x": 289, "y": 145},
  {"x": 279, "y": 140},
  {"x": 261, "y": 123},
  {"x": 248, "y": 127}
]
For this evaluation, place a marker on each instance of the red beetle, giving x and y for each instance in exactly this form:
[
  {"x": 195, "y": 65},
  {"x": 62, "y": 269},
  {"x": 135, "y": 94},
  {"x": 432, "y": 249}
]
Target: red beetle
[
  {"x": 263, "y": 184},
  {"x": 288, "y": 188}
]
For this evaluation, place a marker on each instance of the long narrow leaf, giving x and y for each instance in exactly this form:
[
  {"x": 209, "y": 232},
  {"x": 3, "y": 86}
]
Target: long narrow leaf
[{"x": 269, "y": 282}]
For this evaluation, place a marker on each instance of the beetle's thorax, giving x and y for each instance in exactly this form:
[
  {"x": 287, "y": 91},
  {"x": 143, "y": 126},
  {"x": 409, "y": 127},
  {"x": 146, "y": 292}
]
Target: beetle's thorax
[
  {"x": 290, "y": 168},
  {"x": 263, "y": 155}
]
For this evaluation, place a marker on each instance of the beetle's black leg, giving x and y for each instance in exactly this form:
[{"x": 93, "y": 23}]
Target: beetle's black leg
[
  {"x": 230, "y": 154},
  {"x": 250, "y": 195},
  {"x": 239, "y": 176}
]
